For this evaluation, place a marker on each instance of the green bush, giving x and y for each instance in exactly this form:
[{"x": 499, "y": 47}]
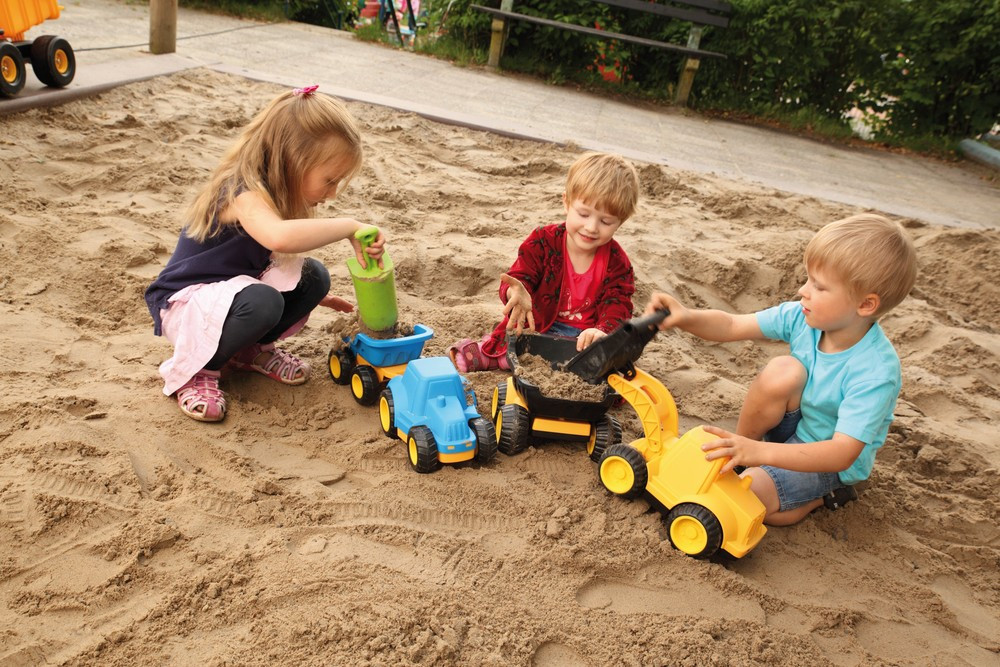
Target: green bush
[
  {"x": 920, "y": 67},
  {"x": 944, "y": 74}
]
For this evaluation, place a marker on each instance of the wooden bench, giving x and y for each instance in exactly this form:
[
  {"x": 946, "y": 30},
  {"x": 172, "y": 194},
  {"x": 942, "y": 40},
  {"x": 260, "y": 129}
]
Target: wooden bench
[{"x": 699, "y": 13}]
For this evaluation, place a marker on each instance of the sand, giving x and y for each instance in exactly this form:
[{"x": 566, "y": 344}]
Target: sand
[{"x": 295, "y": 533}]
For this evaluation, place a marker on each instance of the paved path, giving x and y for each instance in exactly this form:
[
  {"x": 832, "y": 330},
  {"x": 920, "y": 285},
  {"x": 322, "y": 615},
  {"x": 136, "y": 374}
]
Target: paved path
[{"x": 110, "y": 39}]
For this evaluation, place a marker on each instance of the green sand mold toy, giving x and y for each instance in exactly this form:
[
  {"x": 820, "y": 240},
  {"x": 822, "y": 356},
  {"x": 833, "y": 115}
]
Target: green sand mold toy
[{"x": 374, "y": 286}]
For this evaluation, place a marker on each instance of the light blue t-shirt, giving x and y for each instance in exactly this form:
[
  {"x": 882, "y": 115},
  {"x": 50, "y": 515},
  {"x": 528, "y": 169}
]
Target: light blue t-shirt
[{"x": 852, "y": 392}]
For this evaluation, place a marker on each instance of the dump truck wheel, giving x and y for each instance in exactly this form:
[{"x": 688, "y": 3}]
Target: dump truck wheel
[
  {"x": 486, "y": 439},
  {"x": 53, "y": 61},
  {"x": 513, "y": 426},
  {"x": 387, "y": 414},
  {"x": 341, "y": 365},
  {"x": 623, "y": 471},
  {"x": 364, "y": 385},
  {"x": 694, "y": 530},
  {"x": 499, "y": 398},
  {"x": 12, "y": 72},
  {"x": 606, "y": 432},
  {"x": 422, "y": 450}
]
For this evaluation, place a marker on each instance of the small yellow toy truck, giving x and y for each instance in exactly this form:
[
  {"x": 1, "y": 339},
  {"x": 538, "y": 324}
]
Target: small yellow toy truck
[
  {"x": 51, "y": 57},
  {"x": 524, "y": 415}
]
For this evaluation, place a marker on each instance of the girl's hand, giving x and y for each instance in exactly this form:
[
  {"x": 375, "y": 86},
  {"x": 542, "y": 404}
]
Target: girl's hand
[
  {"x": 587, "y": 337},
  {"x": 518, "y": 306},
  {"x": 741, "y": 451},
  {"x": 658, "y": 301},
  {"x": 375, "y": 250},
  {"x": 336, "y": 303}
]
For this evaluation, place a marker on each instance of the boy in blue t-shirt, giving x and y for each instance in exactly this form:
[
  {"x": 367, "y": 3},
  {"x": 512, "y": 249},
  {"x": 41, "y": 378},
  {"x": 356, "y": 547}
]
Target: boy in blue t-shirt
[{"x": 812, "y": 421}]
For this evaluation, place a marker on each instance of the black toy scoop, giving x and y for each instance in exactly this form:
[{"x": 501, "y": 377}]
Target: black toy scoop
[{"x": 616, "y": 352}]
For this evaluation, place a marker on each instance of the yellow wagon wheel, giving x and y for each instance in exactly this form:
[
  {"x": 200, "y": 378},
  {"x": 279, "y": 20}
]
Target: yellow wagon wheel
[
  {"x": 53, "y": 61},
  {"x": 12, "y": 73}
]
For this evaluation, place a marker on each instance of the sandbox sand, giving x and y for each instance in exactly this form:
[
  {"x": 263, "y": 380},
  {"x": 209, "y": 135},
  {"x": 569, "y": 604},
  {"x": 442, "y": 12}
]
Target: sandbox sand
[{"x": 295, "y": 533}]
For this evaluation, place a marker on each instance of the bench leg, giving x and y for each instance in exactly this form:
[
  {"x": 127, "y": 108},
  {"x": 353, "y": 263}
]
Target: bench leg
[
  {"x": 690, "y": 68},
  {"x": 496, "y": 42},
  {"x": 687, "y": 78}
]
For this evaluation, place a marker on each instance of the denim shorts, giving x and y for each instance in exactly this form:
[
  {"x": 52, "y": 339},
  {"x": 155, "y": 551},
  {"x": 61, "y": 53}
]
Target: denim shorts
[
  {"x": 797, "y": 488},
  {"x": 563, "y": 329}
]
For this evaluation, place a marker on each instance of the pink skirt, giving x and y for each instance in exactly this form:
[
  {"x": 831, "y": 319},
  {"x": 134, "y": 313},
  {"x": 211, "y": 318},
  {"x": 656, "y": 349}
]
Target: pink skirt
[{"x": 193, "y": 322}]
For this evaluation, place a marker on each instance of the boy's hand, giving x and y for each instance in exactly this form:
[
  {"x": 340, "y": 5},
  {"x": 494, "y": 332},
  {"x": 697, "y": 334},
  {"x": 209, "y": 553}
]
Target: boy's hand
[
  {"x": 336, "y": 303},
  {"x": 375, "y": 250},
  {"x": 658, "y": 301},
  {"x": 518, "y": 306},
  {"x": 587, "y": 337},
  {"x": 741, "y": 451}
]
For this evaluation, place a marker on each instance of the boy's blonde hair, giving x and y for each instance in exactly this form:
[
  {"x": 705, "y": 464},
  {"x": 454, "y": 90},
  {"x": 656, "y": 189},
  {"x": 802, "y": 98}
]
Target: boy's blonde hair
[
  {"x": 292, "y": 134},
  {"x": 870, "y": 253},
  {"x": 604, "y": 181}
]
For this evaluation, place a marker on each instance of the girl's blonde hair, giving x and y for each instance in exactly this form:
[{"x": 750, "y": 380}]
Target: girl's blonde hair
[
  {"x": 296, "y": 131},
  {"x": 604, "y": 181},
  {"x": 870, "y": 253}
]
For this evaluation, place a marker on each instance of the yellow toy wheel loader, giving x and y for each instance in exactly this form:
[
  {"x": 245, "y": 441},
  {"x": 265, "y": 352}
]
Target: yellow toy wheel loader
[{"x": 704, "y": 511}]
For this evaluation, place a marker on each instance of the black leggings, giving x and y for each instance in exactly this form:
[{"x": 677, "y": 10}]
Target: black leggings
[{"x": 260, "y": 313}]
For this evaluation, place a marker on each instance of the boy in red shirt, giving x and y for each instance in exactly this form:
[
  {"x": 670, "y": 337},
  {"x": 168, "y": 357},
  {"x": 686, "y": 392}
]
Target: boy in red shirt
[{"x": 571, "y": 278}]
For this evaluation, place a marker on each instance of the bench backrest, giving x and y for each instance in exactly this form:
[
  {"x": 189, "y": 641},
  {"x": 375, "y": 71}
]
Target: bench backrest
[{"x": 698, "y": 12}]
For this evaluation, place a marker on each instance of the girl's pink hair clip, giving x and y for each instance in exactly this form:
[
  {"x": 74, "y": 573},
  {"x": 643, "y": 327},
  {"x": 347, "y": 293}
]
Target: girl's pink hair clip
[{"x": 307, "y": 91}]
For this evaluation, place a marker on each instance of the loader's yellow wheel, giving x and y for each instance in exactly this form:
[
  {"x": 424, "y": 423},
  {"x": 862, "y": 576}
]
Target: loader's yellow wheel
[
  {"x": 617, "y": 475},
  {"x": 622, "y": 471},
  {"x": 688, "y": 535},
  {"x": 694, "y": 530}
]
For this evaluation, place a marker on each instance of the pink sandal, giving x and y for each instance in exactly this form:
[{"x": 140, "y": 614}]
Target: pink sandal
[
  {"x": 201, "y": 399},
  {"x": 281, "y": 366},
  {"x": 468, "y": 356}
]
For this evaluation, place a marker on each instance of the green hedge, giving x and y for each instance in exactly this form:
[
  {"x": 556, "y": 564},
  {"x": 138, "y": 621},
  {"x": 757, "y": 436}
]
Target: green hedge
[{"x": 922, "y": 67}]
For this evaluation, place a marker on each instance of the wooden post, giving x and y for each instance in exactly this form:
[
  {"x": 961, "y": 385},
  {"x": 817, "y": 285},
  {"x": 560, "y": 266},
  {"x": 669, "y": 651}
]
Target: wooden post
[
  {"x": 162, "y": 26},
  {"x": 690, "y": 67},
  {"x": 499, "y": 27}
]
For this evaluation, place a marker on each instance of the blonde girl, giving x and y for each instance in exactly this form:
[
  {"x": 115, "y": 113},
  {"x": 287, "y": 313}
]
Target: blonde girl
[{"x": 236, "y": 282}]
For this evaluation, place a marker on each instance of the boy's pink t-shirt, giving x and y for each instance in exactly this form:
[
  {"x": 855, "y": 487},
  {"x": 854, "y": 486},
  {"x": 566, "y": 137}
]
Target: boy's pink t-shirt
[{"x": 578, "y": 298}]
